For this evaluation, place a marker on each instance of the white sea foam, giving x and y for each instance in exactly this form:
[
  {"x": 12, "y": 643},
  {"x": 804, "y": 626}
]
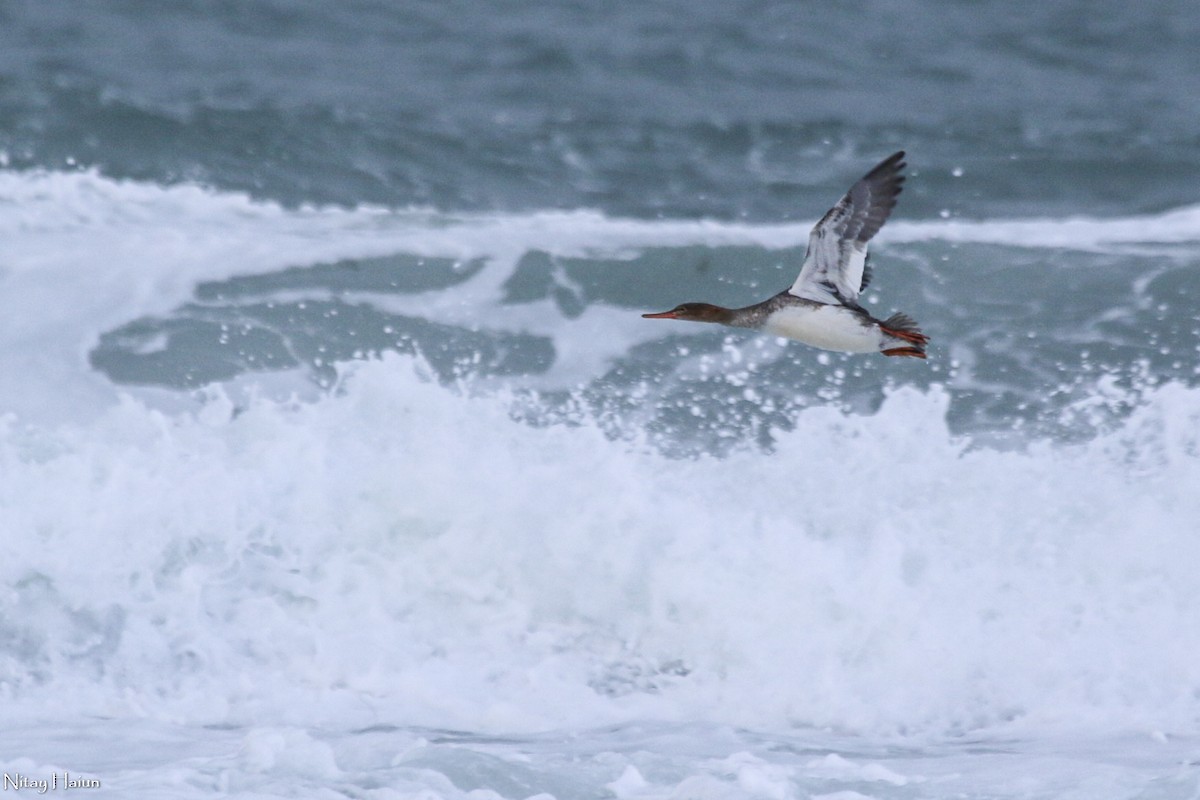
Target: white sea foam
[
  {"x": 406, "y": 545},
  {"x": 1173, "y": 227},
  {"x": 398, "y": 552},
  {"x": 91, "y": 221},
  {"x": 84, "y": 253}
]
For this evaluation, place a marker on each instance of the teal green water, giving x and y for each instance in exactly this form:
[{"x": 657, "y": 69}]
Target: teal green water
[
  {"x": 336, "y": 458},
  {"x": 749, "y": 112}
]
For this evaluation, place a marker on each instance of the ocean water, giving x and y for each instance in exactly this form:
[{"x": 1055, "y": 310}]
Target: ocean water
[{"x": 336, "y": 459}]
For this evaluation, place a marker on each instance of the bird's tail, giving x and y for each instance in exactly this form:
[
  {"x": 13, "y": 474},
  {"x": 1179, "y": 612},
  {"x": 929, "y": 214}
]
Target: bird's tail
[{"x": 903, "y": 327}]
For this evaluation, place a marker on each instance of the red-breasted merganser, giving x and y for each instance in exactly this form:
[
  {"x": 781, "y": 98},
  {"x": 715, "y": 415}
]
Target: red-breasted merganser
[{"x": 821, "y": 308}]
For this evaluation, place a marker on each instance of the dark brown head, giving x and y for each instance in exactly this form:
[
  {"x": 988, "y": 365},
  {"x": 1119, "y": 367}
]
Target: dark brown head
[{"x": 695, "y": 312}]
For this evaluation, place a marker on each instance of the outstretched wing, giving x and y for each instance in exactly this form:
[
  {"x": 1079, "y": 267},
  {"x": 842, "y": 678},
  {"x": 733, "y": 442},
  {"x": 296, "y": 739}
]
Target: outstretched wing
[{"x": 837, "y": 247}]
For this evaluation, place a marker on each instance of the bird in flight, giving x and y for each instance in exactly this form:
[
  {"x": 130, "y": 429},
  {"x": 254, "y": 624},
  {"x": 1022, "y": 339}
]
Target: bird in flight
[{"x": 821, "y": 308}]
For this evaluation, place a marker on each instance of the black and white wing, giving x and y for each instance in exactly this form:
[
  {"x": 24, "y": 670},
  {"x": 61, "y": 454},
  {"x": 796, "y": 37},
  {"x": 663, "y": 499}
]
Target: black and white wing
[{"x": 837, "y": 247}]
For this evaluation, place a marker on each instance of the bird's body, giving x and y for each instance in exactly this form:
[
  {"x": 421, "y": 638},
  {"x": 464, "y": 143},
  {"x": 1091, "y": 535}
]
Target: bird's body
[
  {"x": 828, "y": 327},
  {"x": 821, "y": 308}
]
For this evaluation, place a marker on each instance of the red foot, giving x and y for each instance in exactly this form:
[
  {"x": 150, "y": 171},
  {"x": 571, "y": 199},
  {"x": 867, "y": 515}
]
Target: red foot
[
  {"x": 913, "y": 352},
  {"x": 916, "y": 337}
]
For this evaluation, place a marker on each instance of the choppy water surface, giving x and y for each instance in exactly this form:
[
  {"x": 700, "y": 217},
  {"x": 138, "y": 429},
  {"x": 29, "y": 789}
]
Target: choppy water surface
[{"x": 336, "y": 458}]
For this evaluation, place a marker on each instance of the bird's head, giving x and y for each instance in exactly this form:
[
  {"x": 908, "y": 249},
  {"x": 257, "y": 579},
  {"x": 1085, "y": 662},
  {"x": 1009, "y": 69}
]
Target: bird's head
[{"x": 695, "y": 312}]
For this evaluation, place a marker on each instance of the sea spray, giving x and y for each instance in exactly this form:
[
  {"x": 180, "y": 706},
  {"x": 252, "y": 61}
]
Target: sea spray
[{"x": 410, "y": 552}]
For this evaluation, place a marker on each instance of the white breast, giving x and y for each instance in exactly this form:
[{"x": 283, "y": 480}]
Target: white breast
[{"x": 826, "y": 327}]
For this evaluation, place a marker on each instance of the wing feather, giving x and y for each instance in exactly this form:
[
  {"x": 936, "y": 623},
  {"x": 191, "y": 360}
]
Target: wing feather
[{"x": 833, "y": 270}]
